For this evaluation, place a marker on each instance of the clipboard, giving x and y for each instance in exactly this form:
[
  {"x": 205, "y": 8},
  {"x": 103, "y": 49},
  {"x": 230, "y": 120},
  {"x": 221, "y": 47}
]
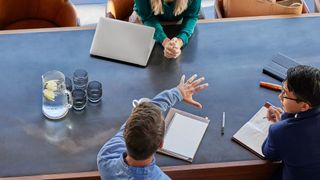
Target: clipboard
[{"x": 179, "y": 140}]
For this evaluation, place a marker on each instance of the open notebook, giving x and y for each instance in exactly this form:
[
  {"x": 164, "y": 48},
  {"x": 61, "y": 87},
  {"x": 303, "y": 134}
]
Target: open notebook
[
  {"x": 184, "y": 132},
  {"x": 252, "y": 134}
]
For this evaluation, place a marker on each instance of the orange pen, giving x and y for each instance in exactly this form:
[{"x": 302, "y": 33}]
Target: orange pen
[{"x": 272, "y": 86}]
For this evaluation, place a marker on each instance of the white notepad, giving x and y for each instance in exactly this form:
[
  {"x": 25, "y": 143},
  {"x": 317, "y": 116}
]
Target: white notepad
[
  {"x": 184, "y": 132},
  {"x": 252, "y": 134}
]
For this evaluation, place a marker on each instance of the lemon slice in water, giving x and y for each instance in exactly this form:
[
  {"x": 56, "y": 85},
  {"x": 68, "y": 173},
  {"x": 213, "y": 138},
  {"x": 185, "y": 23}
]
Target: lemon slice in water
[
  {"x": 48, "y": 94},
  {"x": 52, "y": 85}
]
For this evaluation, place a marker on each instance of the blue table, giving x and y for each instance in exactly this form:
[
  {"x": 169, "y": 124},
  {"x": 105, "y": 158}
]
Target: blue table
[{"x": 230, "y": 54}]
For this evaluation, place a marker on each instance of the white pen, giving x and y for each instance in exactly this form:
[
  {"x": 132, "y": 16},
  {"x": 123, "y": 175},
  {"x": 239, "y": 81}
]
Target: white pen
[{"x": 223, "y": 122}]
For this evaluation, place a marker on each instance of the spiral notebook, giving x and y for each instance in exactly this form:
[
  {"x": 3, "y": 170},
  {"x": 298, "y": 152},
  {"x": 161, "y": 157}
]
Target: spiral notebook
[
  {"x": 184, "y": 132},
  {"x": 253, "y": 133}
]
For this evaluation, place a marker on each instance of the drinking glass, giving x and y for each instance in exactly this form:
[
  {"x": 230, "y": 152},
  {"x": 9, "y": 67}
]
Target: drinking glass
[
  {"x": 80, "y": 79},
  {"x": 94, "y": 91},
  {"x": 68, "y": 84},
  {"x": 79, "y": 99}
]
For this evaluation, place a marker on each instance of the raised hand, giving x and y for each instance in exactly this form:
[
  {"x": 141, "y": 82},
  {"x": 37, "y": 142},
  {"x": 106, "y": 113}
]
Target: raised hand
[{"x": 190, "y": 87}]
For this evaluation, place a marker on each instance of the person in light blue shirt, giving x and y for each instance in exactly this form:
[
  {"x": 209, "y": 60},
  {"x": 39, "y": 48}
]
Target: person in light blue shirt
[{"x": 130, "y": 153}]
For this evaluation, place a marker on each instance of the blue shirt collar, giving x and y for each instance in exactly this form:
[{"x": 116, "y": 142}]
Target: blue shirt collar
[{"x": 138, "y": 171}]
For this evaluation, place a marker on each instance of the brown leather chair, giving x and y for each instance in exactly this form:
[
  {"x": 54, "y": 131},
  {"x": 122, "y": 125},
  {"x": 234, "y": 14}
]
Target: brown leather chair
[
  {"x": 219, "y": 10},
  {"x": 122, "y": 9},
  {"x": 119, "y": 9},
  {"x": 317, "y": 5},
  {"x": 26, "y": 14}
]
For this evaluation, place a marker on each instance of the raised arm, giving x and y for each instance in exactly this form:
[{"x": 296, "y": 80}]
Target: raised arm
[
  {"x": 114, "y": 148},
  {"x": 184, "y": 91}
]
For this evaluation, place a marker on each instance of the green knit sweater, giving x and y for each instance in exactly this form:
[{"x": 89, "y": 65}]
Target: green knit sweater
[{"x": 189, "y": 18}]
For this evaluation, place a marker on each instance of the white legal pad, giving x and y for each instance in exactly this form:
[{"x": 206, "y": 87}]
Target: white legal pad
[{"x": 184, "y": 132}]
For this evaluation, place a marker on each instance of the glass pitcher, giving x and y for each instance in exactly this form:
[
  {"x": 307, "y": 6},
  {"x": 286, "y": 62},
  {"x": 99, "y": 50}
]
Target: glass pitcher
[{"x": 56, "y": 99}]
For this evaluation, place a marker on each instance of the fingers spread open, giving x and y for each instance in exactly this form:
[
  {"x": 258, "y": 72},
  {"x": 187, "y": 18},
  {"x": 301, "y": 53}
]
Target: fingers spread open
[
  {"x": 195, "y": 103},
  {"x": 200, "y": 87},
  {"x": 193, "y": 77},
  {"x": 182, "y": 79},
  {"x": 198, "y": 81}
]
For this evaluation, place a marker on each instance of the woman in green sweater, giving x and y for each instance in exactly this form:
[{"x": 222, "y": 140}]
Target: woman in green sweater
[{"x": 151, "y": 12}]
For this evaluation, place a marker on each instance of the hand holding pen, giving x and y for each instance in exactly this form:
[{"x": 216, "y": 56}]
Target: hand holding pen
[{"x": 274, "y": 113}]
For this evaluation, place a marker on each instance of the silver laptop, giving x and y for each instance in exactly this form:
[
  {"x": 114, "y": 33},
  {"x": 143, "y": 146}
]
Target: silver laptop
[{"x": 123, "y": 41}]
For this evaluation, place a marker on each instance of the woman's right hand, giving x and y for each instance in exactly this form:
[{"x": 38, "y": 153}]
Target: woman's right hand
[{"x": 274, "y": 113}]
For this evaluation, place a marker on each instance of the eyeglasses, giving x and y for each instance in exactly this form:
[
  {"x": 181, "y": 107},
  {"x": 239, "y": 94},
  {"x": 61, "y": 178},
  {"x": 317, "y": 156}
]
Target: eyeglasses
[{"x": 283, "y": 95}]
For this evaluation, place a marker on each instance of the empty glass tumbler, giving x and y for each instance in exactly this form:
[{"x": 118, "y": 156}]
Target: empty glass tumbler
[
  {"x": 80, "y": 79},
  {"x": 69, "y": 84},
  {"x": 79, "y": 99},
  {"x": 94, "y": 91}
]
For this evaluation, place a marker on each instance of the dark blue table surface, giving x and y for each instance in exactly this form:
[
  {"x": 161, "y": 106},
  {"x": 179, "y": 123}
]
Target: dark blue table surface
[{"x": 229, "y": 54}]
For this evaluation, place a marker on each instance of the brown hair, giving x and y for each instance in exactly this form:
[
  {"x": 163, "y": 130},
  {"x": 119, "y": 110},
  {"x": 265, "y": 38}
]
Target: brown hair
[
  {"x": 181, "y": 5},
  {"x": 144, "y": 131}
]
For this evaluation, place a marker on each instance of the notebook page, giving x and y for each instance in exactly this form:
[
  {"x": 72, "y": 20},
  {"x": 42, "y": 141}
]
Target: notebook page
[
  {"x": 184, "y": 135},
  {"x": 255, "y": 131}
]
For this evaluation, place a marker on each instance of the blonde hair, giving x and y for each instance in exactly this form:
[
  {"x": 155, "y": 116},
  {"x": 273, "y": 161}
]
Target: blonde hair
[{"x": 181, "y": 5}]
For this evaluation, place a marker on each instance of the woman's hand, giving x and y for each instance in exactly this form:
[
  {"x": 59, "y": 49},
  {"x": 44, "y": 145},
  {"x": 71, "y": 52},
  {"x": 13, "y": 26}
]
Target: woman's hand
[
  {"x": 172, "y": 48},
  {"x": 190, "y": 87}
]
